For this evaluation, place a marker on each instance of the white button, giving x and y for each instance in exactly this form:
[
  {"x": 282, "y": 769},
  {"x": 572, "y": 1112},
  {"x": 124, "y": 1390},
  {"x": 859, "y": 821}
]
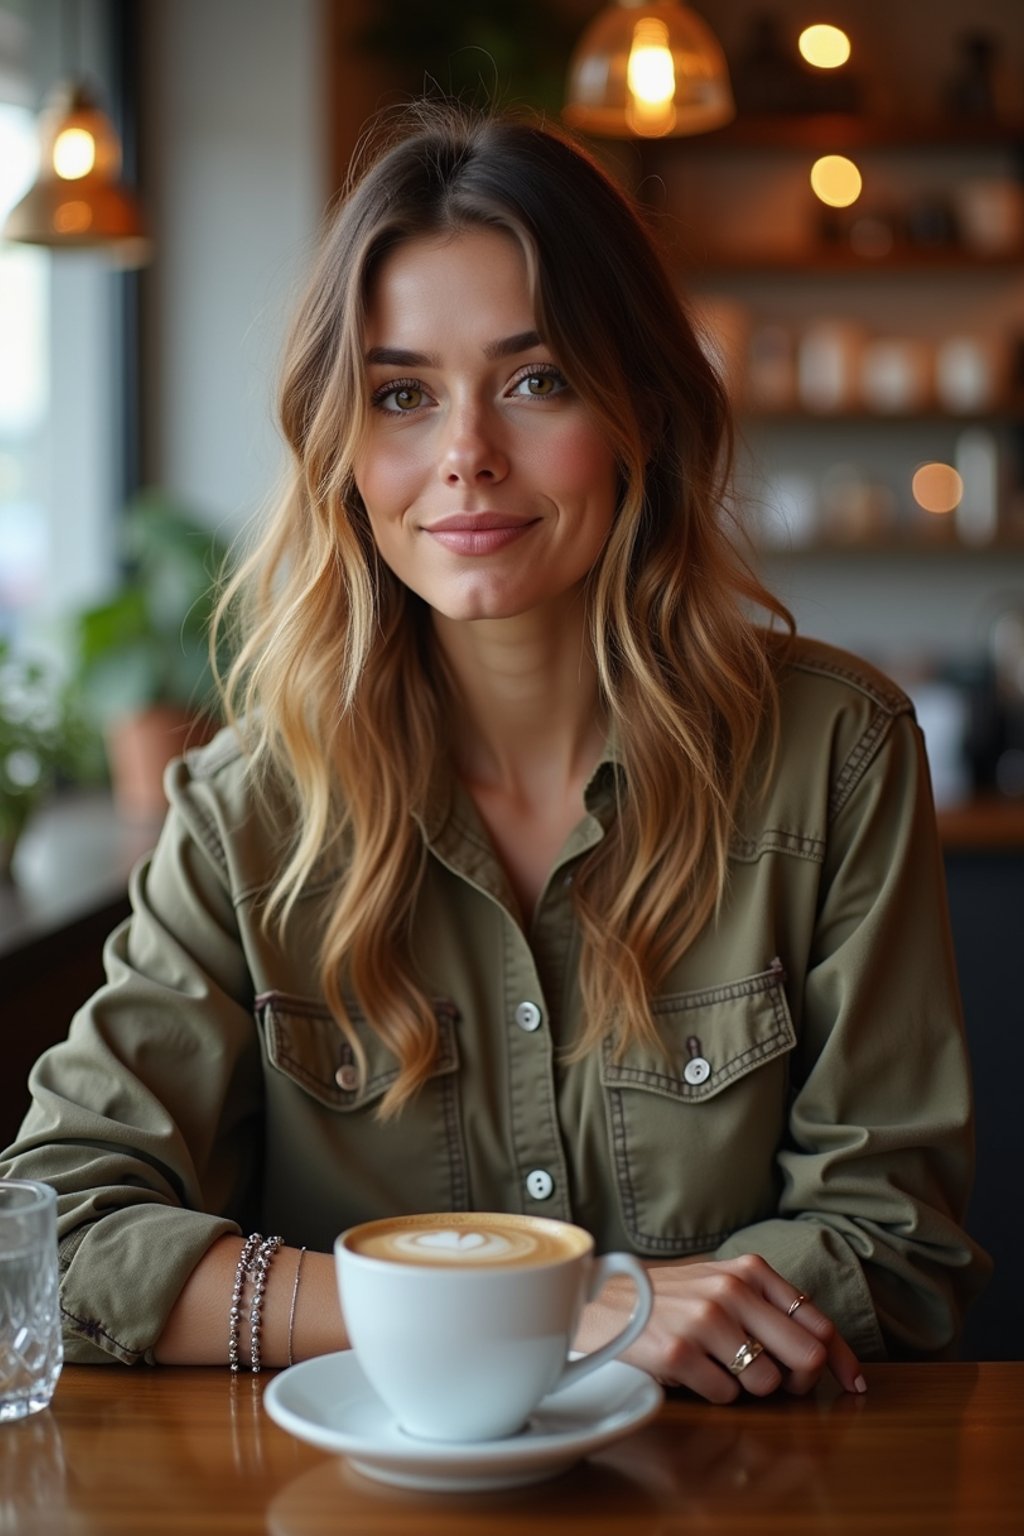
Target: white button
[
  {"x": 539, "y": 1184},
  {"x": 697, "y": 1071},
  {"x": 347, "y": 1077},
  {"x": 528, "y": 1016}
]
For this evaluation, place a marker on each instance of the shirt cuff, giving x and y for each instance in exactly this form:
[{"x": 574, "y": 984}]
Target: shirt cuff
[
  {"x": 124, "y": 1276},
  {"x": 818, "y": 1262}
]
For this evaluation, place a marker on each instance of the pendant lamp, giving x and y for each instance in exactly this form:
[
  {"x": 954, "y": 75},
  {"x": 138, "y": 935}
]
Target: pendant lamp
[
  {"x": 78, "y": 199},
  {"x": 651, "y": 70}
]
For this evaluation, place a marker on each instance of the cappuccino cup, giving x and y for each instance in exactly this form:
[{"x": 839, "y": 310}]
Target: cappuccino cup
[{"x": 462, "y": 1322}]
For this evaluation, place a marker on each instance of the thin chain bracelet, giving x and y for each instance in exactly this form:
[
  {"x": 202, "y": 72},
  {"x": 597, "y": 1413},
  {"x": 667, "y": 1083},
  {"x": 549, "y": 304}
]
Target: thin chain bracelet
[
  {"x": 291, "y": 1312},
  {"x": 245, "y": 1258},
  {"x": 260, "y": 1270}
]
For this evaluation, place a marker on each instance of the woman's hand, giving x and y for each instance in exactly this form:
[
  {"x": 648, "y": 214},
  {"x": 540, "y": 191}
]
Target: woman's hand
[{"x": 706, "y": 1311}]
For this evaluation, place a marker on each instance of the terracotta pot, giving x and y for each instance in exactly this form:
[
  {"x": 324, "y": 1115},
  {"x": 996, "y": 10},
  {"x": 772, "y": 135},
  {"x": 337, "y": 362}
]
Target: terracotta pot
[{"x": 139, "y": 747}]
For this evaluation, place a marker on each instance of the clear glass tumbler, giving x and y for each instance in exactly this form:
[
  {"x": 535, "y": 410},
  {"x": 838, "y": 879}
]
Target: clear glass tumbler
[{"x": 30, "y": 1343}]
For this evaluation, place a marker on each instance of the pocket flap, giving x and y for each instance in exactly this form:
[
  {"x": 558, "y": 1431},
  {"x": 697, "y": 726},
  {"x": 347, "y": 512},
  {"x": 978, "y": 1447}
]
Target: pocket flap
[
  {"x": 306, "y": 1045},
  {"x": 720, "y": 1033}
]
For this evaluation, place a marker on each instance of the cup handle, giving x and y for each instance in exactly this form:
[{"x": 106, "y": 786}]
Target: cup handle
[{"x": 605, "y": 1267}]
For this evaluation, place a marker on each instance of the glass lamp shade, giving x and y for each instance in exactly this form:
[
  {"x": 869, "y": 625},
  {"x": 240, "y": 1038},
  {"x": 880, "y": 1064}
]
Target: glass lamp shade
[
  {"x": 649, "y": 70},
  {"x": 77, "y": 199}
]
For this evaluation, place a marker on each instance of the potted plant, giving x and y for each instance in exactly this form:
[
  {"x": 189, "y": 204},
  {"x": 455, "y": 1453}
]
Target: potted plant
[
  {"x": 41, "y": 739},
  {"x": 143, "y": 668}
]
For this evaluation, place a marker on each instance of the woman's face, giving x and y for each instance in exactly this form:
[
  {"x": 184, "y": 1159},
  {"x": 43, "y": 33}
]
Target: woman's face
[{"x": 490, "y": 487}]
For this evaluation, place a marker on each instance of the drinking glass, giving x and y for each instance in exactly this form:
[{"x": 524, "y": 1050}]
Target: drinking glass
[{"x": 30, "y": 1341}]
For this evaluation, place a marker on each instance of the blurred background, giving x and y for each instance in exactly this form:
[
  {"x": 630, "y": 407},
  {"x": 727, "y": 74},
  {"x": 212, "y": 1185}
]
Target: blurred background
[
  {"x": 875, "y": 350},
  {"x": 848, "y": 226}
]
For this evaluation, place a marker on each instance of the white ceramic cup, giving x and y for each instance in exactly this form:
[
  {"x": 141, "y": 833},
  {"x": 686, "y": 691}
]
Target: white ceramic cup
[{"x": 460, "y": 1337}]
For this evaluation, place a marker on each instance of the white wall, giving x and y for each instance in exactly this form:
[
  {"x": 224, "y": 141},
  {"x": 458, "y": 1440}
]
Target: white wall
[{"x": 235, "y": 147}]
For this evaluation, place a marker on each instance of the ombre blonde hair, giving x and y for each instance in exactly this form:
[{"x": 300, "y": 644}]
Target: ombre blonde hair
[{"x": 336, "y": 690}]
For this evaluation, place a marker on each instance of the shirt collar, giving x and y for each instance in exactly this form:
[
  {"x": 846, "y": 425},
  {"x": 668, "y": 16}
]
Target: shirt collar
[{"x": 599, "y": 795}]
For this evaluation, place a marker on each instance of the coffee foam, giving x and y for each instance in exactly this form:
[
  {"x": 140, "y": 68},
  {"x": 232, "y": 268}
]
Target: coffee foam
[{"x": 468, "y": 1240}]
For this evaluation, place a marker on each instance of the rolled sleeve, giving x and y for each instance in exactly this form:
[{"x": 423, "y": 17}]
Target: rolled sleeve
[
  {"x": 146, "y": 1119},
  {"x": 877, "y": 1166}
]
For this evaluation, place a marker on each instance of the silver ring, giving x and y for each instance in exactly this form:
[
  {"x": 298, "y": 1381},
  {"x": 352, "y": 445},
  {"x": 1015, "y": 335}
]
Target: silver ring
[
  {"x": 744, "y": 1356},
  {"x": 797, "y": 1301}
]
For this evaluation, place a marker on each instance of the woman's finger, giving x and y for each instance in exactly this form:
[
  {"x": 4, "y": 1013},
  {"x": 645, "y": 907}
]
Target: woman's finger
[
  {"x": 719, "y": 1361},
  {"x": 840, "y": 1358},
  {"x": 754, "y": 1368},
  {"x": 801, "y": 1370}
]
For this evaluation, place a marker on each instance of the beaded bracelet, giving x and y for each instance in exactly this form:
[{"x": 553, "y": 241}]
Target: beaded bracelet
[
  {"x": 260, "y": 1270},
  {"x": 234, "y": 1317},
  {"x": 253, "y": 1263},
  {"x": 291, "y": 1312}
]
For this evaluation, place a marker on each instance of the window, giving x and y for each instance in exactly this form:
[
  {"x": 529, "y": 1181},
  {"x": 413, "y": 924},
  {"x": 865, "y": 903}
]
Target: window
[
  {"x": 24, "y": 382},
  {"x": 61, "y": 414}
]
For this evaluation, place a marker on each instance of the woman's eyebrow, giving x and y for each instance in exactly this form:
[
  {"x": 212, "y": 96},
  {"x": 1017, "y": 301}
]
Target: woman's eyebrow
[
  {"x": 401, "y": 357},
  {"x": 521, "y": 342}
]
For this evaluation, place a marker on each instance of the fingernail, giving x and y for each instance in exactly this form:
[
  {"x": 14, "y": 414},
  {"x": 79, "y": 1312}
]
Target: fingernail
[{"x": 860, "y": 1384}]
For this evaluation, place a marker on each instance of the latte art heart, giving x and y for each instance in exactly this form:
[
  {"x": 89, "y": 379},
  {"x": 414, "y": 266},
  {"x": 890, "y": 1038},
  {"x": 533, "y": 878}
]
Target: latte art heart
[
  {"x": 445, "y": 1243},
  {"x": 457, "y": 1240}
]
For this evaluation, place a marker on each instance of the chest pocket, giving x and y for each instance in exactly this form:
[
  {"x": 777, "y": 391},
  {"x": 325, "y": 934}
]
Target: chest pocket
[
  {"x": 415, "y": 1161},
  {"x": 695, "y": 1132}
]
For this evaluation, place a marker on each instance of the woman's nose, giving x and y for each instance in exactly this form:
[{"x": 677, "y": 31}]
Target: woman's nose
[{"x": 471, "y": 451}]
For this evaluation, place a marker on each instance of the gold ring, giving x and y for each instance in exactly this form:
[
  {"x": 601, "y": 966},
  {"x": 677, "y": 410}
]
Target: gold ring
[
  {"x": 797, "y": 1301},
  {"x": 744, "y": 1356}
]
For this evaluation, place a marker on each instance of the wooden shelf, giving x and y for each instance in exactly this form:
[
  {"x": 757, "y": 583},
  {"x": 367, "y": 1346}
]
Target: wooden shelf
[
  {"x": 988, "y": 822},
  {"x": 827, "y": 261},
  {"x": 908, "y": 546},
  {"x": 815, "y": 253},
  {"x": 848, "y": 130},
  {"x": 999, "y": 411}
]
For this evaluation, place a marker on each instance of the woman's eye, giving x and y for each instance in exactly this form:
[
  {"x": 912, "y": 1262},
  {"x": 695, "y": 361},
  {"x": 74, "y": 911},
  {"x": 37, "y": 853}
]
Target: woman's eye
[
  {"x": 540, "y": 384},
  {"x": 398, "y": 398}
]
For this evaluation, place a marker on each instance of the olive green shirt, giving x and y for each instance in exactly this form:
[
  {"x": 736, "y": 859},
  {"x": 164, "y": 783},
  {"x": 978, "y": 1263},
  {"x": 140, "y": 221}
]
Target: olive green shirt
[{"x": 813, "y": 1104}]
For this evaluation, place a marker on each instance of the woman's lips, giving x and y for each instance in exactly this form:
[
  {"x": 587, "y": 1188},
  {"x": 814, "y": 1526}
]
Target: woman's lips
[{"x": 481, "y": 533}]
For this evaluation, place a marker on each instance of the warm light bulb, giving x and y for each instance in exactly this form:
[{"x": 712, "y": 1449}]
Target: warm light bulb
[
  {"x": 823, "y": 46},
  {"x": 937, "y": 488},
  {"x": 650, "y": 73},
  {"x": 74, "y": 153},
  {"x": 836, "y": 181}
]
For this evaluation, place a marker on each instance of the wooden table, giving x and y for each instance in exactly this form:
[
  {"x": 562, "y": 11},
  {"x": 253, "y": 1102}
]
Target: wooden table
[{"x": 931, "y": 1449}]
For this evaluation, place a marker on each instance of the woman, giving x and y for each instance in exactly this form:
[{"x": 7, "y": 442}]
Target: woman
[{"x": 532, "y": 873}]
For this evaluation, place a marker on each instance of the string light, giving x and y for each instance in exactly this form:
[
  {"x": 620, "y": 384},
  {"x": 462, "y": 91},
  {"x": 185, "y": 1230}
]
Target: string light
[
  {"x": 937, "y": 488},
  {"x": 836, "y": 181},
  {"x": 824, "y": 46}
]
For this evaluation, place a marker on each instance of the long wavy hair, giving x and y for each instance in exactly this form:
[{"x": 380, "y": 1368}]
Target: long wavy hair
[{"x": 336, "y": 690}]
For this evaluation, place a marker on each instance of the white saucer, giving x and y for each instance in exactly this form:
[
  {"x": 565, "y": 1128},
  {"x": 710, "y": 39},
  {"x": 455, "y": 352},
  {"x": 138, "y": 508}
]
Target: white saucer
[{"x": 329, "y": 1402}]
